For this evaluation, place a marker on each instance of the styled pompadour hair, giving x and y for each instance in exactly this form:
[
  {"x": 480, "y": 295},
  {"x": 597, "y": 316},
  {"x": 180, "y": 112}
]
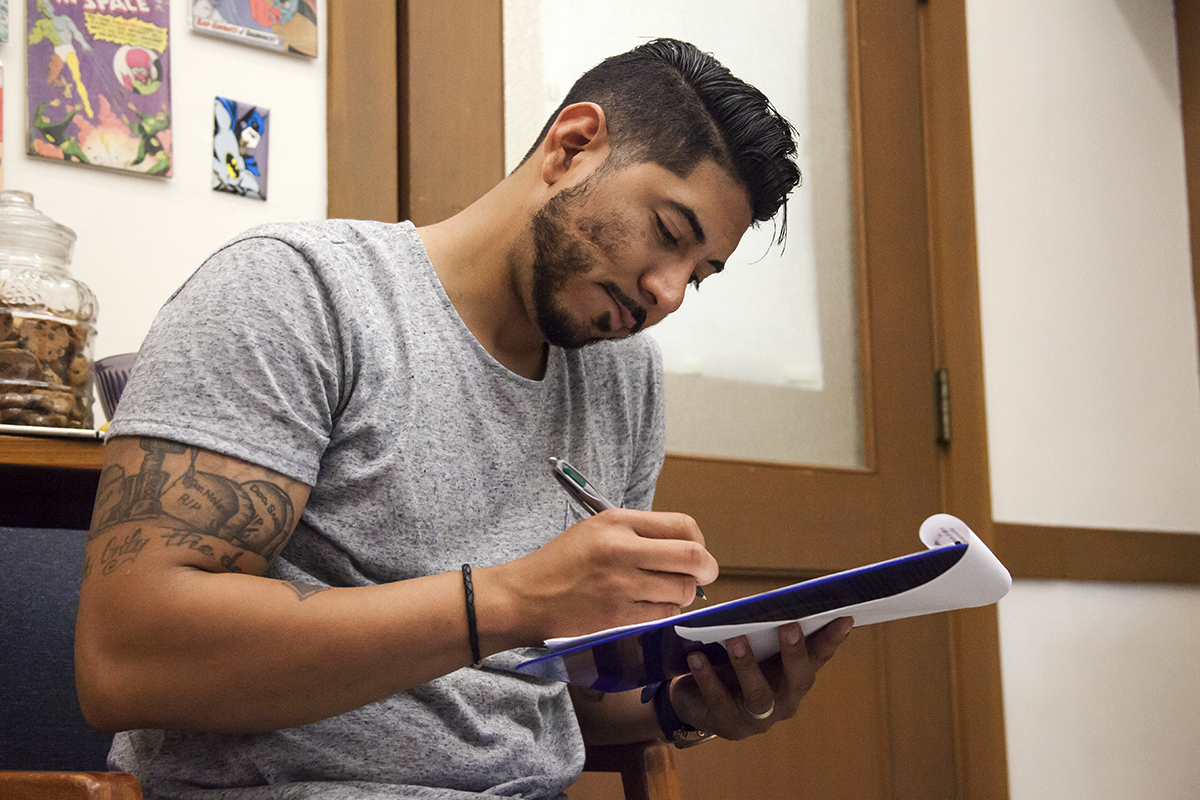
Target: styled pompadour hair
[{"x": 669, "y": 103}]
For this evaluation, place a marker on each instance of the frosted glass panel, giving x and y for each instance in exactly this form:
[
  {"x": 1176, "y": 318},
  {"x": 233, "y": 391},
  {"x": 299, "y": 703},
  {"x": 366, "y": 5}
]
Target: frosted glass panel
[{"x": 762, "y": 364}]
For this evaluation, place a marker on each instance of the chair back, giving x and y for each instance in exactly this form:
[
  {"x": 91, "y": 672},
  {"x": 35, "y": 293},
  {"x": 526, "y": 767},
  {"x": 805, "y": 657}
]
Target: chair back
[{"x": 41, "y": 724}]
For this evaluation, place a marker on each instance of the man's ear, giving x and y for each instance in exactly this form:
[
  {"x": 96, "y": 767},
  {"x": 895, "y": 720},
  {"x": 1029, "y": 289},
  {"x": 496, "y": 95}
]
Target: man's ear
[{"x": 578, "y": 140}]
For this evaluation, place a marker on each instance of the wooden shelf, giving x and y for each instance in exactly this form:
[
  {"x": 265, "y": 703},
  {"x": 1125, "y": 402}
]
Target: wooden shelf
[
  {"x": 48, "y": 482},
  {"x": 51, "y": 452}
]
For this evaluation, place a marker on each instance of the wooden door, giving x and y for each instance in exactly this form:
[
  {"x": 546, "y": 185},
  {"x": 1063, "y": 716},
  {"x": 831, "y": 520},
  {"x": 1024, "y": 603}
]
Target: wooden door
[
  {"x": 880, "y": 722},
  {"x": 897, "y": 714}
]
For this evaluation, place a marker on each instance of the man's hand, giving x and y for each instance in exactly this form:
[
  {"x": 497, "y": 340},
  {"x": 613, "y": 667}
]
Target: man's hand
[
  {"x": 759, "y": 695},
  {"x": 617, "y": 568}
]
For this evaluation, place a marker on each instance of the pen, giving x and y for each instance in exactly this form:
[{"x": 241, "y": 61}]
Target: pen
[{"x": 585, "y": 493}]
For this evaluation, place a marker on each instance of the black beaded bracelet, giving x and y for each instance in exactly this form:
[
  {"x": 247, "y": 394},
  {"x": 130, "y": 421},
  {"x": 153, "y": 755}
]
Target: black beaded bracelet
[{"x": 472, "y": 627}]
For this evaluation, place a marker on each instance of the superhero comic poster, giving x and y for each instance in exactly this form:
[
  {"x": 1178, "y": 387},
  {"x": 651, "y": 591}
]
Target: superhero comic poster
[
  {"x": 240, "y": 151},
  {"x": 99, "y": 83},
  {"x": 286, "y": 26}
]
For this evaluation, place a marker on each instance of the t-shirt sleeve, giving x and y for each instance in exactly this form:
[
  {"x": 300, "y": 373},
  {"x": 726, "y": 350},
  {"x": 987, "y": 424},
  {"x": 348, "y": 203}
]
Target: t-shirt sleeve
[{"x": 245, "y": 359}]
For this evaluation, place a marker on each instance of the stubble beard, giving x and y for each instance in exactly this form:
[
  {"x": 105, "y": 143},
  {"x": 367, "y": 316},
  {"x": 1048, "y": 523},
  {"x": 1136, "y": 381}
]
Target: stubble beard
[{"x": 558, "y": 257}]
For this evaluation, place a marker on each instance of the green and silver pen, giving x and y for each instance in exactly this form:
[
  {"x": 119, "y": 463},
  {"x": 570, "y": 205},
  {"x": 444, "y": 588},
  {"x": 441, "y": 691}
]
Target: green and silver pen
[{"x": 585, "y": 493}]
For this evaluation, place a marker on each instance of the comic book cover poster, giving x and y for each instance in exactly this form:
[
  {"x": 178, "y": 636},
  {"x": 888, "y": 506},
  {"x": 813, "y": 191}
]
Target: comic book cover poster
[
  {"x": 99, "y": 83},
  {"x": 240, "y": 151},
  {"x": 287, "y": 26}
]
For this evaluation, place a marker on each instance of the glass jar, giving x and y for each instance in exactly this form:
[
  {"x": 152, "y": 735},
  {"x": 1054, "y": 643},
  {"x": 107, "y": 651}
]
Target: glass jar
[{"x": 47, "y": 321}]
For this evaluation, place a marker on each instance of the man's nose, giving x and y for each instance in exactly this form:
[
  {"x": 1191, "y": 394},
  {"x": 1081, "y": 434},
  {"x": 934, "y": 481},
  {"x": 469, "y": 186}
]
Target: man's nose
[{"x": 665, "y": 283}]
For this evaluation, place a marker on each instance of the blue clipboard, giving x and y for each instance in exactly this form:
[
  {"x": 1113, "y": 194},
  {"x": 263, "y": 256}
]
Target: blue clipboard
[{"x": 634, "y": 656}]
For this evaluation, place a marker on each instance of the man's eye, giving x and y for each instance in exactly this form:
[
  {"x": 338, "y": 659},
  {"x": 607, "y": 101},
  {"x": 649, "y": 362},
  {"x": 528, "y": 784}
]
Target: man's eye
[
  {"x": 695, "y": 281},
  {"x": 666, "y": 234}
]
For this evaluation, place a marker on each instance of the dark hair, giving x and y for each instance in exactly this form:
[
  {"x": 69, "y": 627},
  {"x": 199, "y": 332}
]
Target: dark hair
[{"x": 669, "y": 103}]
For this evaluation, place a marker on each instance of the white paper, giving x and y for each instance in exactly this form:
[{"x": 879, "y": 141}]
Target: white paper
[{"x": 976, "y": 579}]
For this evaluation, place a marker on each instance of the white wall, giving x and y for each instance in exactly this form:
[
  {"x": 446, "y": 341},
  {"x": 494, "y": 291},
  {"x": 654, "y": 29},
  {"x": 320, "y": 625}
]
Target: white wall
[
  {"x": 1093, "y": 384},
  {"x": 139, "y": 238},
  {"x": 1101, "y": 691}
]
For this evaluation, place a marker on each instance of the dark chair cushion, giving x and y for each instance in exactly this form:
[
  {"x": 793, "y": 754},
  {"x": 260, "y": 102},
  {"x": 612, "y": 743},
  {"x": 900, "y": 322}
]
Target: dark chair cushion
[{"x": 41, "y": 725}]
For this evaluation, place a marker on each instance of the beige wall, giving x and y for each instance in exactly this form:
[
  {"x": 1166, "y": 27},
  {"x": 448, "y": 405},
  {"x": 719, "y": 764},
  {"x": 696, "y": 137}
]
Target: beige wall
[{"x": 1093, "y": 388}]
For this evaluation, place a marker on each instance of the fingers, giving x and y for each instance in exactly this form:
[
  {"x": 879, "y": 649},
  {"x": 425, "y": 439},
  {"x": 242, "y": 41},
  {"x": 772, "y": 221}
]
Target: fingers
[
  {"x": 618, "y": 567},
  {"x": 663, "y": 545},
  {"x": 801, "y": 657},
  {"x": 760, "y": 694},
  {"x": 658, "y": 524},
  {"x": 678, "y": 590},
  {"x": 822, "y": 644},
  {"x": 717, "y": 709},
  {"x": 716, "y": 702}
]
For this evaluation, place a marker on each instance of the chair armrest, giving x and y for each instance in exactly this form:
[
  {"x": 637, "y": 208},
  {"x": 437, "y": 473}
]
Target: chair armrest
[
  {"x": 69, "y": 786},
  {"x": 647, "y": 768}
]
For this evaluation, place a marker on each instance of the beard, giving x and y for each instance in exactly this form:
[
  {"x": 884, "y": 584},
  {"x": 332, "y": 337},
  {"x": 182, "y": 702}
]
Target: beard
[{"x": 559, "y": 256}]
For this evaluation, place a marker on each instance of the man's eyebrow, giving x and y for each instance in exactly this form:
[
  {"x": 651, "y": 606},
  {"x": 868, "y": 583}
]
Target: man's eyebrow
[
  {"x": 697, "y": 229},
  {"x": 692, "y": 219}
]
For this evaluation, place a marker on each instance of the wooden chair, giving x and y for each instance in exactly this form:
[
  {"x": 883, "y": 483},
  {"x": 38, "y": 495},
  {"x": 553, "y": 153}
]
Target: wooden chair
[
  {"x": 647, "y": 773},
  {"x": 48, "y": 751},
  {"x": 69, "y": 786},
  {"x": 647, "y": 769}
]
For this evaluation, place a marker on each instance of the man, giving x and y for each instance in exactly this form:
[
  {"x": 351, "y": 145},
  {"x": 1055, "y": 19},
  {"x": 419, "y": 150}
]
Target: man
[{"x": 328, "y": 421}]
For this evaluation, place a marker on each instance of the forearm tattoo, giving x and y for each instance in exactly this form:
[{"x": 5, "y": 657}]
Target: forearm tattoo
[{"x": 190, "y": 510}]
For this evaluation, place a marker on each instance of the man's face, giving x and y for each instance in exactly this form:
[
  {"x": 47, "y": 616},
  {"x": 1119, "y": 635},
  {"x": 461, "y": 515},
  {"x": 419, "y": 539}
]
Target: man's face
[{"x": 614, "y": 253}]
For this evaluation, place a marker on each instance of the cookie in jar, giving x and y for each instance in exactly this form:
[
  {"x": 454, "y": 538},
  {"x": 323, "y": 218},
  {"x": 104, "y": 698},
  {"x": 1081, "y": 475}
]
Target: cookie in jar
[{"x": 47, "y": 321}]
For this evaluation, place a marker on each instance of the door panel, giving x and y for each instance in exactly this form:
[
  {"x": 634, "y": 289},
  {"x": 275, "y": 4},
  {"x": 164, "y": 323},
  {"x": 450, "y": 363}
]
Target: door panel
[{"x": 890, "y": 715}]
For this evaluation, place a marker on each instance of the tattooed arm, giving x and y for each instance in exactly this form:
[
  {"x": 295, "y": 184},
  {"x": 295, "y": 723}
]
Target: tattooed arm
[{"x": 178, "y": 628}]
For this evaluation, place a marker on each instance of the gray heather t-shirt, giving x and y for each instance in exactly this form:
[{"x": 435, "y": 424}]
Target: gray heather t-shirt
[{"x": 330, "y": 352}]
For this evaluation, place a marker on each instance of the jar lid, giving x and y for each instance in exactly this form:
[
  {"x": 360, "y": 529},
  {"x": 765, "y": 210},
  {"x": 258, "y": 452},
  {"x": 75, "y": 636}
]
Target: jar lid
[{"x": 24, "y": 227}]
